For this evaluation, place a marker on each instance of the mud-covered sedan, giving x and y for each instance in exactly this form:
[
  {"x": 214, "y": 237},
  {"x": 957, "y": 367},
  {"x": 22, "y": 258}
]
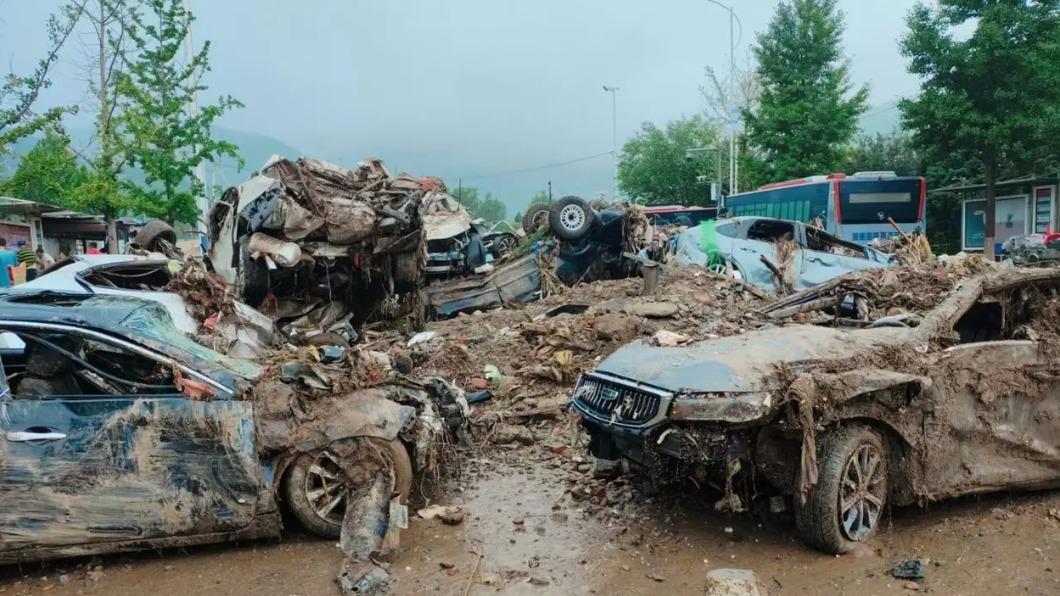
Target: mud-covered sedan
[
  {"x": 965, "y": 399},
  {"x": 120, "y": 433}
]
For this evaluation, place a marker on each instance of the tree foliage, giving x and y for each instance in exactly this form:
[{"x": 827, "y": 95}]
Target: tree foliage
[
  {"x": 19, "y": 93},
  {"x": 166, "y": 137},
  {"x": 654, "y": 169},
  {"x": 994, "y": 95},
  {"x": 895, "y": 152},
  {"x": 808, "y": 110},
  {"x": 48, "y": 173},
  {"x": 486, "y": 207}
]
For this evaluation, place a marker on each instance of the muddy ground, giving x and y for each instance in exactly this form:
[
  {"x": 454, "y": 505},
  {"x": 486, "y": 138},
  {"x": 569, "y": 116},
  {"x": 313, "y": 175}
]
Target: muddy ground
[{"x": 998, "y": 544}]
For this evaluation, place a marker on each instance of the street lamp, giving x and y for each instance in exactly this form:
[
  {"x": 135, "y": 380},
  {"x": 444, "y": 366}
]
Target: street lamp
[
  {"x": 614, "y": 139},
  {"x": 732, "y": 94}
]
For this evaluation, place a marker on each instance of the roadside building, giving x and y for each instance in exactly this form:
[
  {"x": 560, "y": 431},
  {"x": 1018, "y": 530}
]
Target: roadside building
[{"x": 1024, "y": 205}]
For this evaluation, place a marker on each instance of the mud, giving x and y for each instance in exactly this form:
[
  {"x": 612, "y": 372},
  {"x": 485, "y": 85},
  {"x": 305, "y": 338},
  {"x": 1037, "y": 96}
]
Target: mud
[{"x": 1001, "y": 544}]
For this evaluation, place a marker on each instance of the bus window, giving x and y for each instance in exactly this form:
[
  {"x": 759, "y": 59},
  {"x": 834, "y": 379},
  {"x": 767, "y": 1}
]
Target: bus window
[{"x": 873, "y": 201}]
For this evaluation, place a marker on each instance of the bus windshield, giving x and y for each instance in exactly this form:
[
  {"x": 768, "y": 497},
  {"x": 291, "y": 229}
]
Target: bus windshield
[{"x": 874, "y": 201}]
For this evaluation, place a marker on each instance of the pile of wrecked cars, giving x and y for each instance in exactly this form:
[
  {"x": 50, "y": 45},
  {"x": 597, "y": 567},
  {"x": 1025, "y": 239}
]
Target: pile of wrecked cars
[{"x": 842, "y": 418}]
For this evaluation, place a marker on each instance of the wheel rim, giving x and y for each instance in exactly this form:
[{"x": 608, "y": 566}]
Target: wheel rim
[
  {"x": 505, "y": 245},
  {"x": 325, "y": 488},
  {"x": 862, "y": 493},
  {"x": 572, "y": 217}
]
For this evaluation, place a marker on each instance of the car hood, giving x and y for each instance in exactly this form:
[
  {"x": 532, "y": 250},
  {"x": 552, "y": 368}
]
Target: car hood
[{"x": 742, "y": 363}]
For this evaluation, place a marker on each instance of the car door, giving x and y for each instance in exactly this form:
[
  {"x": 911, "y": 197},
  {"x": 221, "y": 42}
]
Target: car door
[
  {"x": 990, "y": 419},
  {"x": 87, "y": 466}
]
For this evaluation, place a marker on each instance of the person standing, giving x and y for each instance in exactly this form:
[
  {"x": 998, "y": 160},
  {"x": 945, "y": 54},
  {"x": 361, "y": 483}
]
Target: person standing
[
  {"x": 27, "y": 257},
  {"x": 93, "y": 249},
  {"x": 8, "y": 261},
  {"x": 44, "y": 260}
]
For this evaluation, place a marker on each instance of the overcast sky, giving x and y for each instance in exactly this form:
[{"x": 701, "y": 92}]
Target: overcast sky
[{"x": 468, "y": 88}]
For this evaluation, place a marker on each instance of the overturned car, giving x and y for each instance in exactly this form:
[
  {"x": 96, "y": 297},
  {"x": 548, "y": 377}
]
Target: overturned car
[
  {"x": 121, "y": 433},
  {"x": 852, "y": 416}
]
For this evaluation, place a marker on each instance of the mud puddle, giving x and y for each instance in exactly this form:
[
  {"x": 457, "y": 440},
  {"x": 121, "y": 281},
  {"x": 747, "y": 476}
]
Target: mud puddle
[{"x": 1000, "y": 544}]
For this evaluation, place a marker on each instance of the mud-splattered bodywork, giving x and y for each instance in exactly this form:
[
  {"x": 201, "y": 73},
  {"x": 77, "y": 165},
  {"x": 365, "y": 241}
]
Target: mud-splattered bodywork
[
  {"x": 968, "y": 401},
  {"x": 193, "y": 453}
]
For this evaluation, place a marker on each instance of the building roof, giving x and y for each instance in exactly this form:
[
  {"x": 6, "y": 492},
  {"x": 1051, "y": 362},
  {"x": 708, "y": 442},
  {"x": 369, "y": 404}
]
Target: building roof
[{"x": 11, "y": 205}]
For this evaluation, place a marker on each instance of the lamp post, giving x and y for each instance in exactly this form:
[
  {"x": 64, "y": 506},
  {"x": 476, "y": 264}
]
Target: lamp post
[
  {"x": 614, "y": 139},
  {"x": 732, "y": 95}
]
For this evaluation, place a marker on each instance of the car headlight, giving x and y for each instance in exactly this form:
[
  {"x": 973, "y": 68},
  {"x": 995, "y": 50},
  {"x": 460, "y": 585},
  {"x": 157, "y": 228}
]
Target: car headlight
[{"x": 722, "y": 407}]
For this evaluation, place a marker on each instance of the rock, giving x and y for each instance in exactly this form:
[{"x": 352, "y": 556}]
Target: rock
[
  {"x": 478, "y": 383},
  {"x": 559, "y": 517},
  {"x": 537, "y": 581},
  {"x": 452, "y": 516},
  {"x": 704, "y": 298},
  {"x": 505, "y": 434},
  {"x": 616, "y": 327},
  {"x": 64, "y": 579},
  {"x": 733, "y": 582},
  {"x": 669, "y": 339},
  {"x": 167, "y": 568},
  {"x": 518, "y": 520},
  {"x": 403, "y": 364},
  {"x": 652, "y": 310}
]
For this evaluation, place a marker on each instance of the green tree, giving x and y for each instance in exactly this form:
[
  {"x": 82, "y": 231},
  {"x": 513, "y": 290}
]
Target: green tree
[
  {"x": 895, "y": 152},
  {"x": 655, "y": 169},
  {"x": 49, "y": 173},
  {"x": 18, "y": 94},
  {"x": 807, "y": 114},
  {"x": 993, "y": 95},
  {"x": 166, "y": 137},
  {"x": 486, "y": 207}
]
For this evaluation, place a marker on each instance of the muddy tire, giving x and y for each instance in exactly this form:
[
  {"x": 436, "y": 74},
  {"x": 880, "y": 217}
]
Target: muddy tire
[
  {"x": 504, "y": 244},
  {"x": 315, "y": 492},
  {"x": 571, "y": 218},
  {"x": 846, "y": 507},
  {"x": 535, "y": 218},
  {"x": 154, "y": 230}
]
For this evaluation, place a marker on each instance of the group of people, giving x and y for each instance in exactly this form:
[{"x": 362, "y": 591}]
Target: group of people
[{"x": 35, "y": 261}]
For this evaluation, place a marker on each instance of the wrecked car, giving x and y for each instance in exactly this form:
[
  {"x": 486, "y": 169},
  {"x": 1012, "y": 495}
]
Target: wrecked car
[
  {"x": 773, "y": 254},
  {"x": 121, "y": 433},
  {"x": 456, "y": 244},
  {"x": 848, "y": 419},
  {"x": 307, "y": 234},
  {"x": 592, "y": 242},
  {"x": 151, "y": 277}
]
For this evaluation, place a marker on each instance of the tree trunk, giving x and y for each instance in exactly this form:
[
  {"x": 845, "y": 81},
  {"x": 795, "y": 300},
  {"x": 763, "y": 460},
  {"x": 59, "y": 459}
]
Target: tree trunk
[
  {"x": 990, "y": 173},
  {"x": 112, "y": 233}
]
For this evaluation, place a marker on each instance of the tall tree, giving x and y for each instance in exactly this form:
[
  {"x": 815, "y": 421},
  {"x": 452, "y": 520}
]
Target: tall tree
[
  {"x": 486, "y": 207},
  {"x": 655, "y": 168},
  {"x": 19, "y": 93},
  {"x": 106, "y": 53},
  {"x": 49, "y": 173},
  {"x": 894, "y": 152},
  {"x": 167, "y": 136},
  {"x": 994, "y": 94},
  {"x": 808, "y": 110}
]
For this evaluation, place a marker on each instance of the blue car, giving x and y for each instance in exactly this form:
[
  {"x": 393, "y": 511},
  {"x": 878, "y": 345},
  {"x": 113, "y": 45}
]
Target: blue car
[{"x": 121, "y": 433}]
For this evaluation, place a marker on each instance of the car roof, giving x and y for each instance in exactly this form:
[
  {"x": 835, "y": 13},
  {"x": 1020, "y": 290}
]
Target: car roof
[
  {"x": 64, "y": 278},
  {"x": 95, "y": 312}
]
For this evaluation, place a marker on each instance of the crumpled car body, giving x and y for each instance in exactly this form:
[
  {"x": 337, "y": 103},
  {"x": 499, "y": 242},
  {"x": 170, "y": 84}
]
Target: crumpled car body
[
  {"x": 146, "y": 277},
  {"x": 805, "y": 256},
  {"x": 120, "y": 433},
  {"x": 965, "y": 400},
  {"x": 314, "y": 233}
]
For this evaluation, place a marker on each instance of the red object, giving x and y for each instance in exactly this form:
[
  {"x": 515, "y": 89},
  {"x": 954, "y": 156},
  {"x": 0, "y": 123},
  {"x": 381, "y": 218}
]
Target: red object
[
  {"x": 211, "y": 321},
  {"x": 93, "y": 251}
]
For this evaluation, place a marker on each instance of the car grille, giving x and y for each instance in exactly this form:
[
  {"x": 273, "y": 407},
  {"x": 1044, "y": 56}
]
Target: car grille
[{"x": 616, "y": 402}]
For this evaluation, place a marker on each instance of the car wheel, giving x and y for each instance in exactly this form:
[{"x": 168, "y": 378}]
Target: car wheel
[
  {"x": 504, "y": 244},
  {"x": 846, "y": 506},
  {"x": 316, "y": 490},
  {"x": 154, "y": 230},
  {"x": 571, "y": 218},
  {"x": 535, "y": 218}
]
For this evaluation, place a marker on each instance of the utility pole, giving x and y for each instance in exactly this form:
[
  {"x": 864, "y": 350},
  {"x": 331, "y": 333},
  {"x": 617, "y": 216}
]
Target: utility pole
[
  {"x": 550, "y": 192},
  {"x": 732, "y": 107},
  {"x": 614, "y": 139},
  {"x": 203, "y": 201}
]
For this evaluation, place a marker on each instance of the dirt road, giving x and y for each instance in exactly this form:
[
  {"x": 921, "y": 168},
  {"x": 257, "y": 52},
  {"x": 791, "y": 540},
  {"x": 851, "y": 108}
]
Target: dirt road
[{"x": 536, "y": 540}]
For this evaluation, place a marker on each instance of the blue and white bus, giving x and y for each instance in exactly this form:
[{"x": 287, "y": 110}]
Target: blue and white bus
[{"x": 854, "y": 208}]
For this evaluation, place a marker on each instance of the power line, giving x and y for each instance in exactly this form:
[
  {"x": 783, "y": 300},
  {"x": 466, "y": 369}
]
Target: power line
[{"x": 538, "y": 168}]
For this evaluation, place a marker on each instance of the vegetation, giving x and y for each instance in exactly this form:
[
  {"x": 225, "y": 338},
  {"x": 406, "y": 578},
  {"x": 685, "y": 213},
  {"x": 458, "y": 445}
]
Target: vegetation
[
  {"x": 806, "y": 115},
  {"x": 993, "y": 96},
  {"x": 654, "y": 168},
  {"x": 48, "y": 173},
  {"x": 487, "y": 207},
  {"x": 165, "y": 136}
]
